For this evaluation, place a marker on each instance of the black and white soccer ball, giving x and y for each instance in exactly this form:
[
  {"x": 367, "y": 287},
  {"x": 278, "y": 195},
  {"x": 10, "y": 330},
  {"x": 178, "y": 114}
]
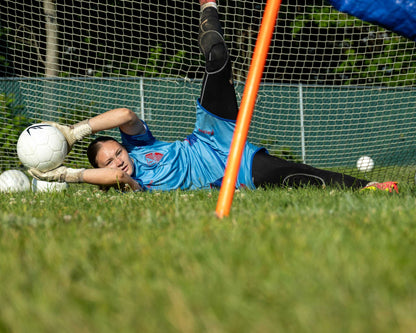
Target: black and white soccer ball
[{"x": 42, "y": 146}]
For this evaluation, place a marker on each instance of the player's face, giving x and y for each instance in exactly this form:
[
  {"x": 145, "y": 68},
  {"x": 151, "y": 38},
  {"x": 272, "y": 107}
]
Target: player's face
[{"x": 114, "y": 155}]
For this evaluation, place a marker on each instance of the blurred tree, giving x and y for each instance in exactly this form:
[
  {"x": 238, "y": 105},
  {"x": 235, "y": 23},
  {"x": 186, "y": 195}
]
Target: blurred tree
[
  {"x": 312, "y": 44},
  {"x": 52, "y": 43},
  {"x": 351, "y": 51}
]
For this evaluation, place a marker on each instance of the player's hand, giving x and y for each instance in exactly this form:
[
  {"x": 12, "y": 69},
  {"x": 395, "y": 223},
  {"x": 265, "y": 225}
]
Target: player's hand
[
  {"x": 60, "y": 174},
  {"x": 133, "y": 187},
  {"x": 72, "y": 133}
]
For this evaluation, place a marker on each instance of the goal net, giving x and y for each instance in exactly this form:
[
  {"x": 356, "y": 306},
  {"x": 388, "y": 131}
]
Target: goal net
[{"x": 334, "y": 87}]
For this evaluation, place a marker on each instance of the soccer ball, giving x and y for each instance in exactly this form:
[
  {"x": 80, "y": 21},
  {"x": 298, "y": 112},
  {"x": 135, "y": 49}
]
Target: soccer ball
[
  {"x": 42, "y": 146},
  {"x": 365, "y": 163},
  {"x": 44, "y": 186},
  {"x": 14, "y": 181}
]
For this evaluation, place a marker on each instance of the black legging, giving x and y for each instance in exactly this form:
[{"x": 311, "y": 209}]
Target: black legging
[
  {"x": 270, "y": 170},
  {"x": 217, "y": 93},
  {"x": 218, "y": 97}
]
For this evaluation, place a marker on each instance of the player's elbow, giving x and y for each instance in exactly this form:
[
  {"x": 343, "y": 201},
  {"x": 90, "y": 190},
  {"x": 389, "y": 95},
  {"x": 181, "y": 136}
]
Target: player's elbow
[
  {"x": 130, "y": 122},
  {"x": 127, "y": 115}
]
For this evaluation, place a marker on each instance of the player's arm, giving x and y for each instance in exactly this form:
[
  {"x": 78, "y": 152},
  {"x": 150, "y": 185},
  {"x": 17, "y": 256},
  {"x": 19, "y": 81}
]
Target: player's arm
[
  {"x": 99, "y": 176},
  {"x": 107, "y": 176},
  {"x": 123, "y": 118}
]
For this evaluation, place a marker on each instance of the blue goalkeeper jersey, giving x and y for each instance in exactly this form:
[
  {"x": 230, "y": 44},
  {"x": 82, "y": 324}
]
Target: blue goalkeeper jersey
[{"x": 197, "y": 162}]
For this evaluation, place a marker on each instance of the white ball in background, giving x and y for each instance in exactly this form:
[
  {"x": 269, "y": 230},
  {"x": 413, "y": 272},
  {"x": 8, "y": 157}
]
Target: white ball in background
[
  {"x": 44, "y": 186},
  {"x": 14, "y": 181},
  {"x": 42, "y": 146},
  {"x": 365, "y": 163}
]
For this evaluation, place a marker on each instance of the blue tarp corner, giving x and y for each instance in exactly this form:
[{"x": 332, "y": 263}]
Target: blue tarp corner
[{"x": 396, "y": 15}]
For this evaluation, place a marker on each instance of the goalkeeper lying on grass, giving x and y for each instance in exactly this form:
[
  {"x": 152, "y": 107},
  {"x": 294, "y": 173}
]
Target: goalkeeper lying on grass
[{"x": 198, "y": 162}]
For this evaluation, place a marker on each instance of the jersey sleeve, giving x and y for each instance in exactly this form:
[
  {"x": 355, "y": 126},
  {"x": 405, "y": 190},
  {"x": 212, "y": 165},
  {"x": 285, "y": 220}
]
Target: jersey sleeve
[{"x": 131, "y": 141}]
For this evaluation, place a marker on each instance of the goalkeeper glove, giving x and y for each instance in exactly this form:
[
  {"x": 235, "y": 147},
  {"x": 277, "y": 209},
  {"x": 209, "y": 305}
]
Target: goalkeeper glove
[
  {"x": 74, "y": 132},
  {"x": 60, "y": 174}
]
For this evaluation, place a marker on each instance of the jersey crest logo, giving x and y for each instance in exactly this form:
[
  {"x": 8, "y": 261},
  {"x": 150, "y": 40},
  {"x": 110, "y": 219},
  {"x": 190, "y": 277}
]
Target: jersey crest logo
[
  {"x": 208, "y": 132},
  {"x": 153, "y": 158}
]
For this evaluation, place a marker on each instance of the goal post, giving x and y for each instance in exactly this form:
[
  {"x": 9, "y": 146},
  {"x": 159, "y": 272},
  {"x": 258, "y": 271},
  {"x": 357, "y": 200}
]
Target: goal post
[
  {"x": 247, "y": 106},
  {"x": 334, "y": 88}
]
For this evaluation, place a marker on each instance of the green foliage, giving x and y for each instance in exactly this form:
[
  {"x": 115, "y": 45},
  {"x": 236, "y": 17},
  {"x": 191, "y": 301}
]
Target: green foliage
[
  {"x": 393, "y": 65},
  {"x": 287, "y": 153},
  {"x": 4, "y": 63},
  {"x": 75, "y": 113},
  {"x": 284, "y": 261},
  {"x": 324, "y": 17},
  {"x": 158, "y": 64},
  {"x": 284, "y": 152},
  {"x": 369, "y": 54},
  {"x": 13, "y": 123}
]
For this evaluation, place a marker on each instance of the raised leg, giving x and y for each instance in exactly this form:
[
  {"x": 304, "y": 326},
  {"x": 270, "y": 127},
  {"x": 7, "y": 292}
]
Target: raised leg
[{"x": 217, "y": 93}]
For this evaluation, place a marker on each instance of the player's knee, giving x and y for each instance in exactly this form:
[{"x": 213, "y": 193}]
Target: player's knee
[
  {"x": 303, "y": 179},
  {"x": 215, "y": 51}
]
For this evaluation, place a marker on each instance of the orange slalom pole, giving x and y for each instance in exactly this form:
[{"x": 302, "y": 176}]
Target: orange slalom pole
[{"x": 246, "y": 108}]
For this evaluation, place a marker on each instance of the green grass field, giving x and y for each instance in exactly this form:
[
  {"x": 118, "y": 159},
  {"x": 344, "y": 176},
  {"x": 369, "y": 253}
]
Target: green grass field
[{"x": 305, "y": 260}]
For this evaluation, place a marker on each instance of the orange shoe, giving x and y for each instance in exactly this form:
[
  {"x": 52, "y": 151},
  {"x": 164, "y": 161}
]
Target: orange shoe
[{"x": 386, "y": 186}]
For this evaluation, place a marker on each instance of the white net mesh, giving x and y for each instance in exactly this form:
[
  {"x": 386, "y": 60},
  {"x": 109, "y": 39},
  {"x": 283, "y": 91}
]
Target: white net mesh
[{"x": 334, "y": 88}]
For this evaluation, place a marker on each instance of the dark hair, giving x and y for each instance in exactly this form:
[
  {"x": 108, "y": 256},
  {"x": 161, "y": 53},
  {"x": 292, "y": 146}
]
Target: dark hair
[{"x": 94, "y": 147}]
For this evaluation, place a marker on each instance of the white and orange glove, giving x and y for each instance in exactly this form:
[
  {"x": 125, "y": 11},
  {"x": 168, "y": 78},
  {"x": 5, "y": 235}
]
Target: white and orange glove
[
  {"x": 61, "y": 174},
  {"x": 74, "y": 132}
]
